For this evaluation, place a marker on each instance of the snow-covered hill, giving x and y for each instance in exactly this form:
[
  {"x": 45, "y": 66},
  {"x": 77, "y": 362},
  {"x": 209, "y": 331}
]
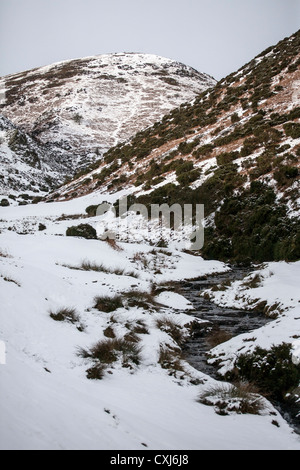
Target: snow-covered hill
[{"x": 80, "y": 108}]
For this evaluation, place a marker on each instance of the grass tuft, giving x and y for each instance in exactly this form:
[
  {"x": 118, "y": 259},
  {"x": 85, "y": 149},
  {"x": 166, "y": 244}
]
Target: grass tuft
[
  {"x": 172, "y": 329},
  {"x": 68, "y": 315},
  {"x": 108, "y": 351},
  {"x": 241, "y": 398},
  {"x": 101, "y": 268},
  {"x": 108, "y": 304},
  {"x": 171, "y": 359}
]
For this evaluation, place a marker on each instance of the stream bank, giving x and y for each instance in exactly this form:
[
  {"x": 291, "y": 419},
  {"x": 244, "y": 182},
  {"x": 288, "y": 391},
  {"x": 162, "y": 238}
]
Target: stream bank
[{"x": 221, "y": 324}]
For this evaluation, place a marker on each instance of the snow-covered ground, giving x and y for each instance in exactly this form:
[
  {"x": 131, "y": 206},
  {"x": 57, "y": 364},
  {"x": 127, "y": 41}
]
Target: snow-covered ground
[{"x": 46, "y": 400}]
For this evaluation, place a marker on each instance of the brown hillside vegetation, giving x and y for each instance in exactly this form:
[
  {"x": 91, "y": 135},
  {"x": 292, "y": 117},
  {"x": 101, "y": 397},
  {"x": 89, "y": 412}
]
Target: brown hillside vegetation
[{"x": 237, "y": 144}]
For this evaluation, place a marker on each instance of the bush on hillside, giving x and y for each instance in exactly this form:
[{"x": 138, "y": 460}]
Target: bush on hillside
[
  {"x": 273, "y": 371},
  {"x": 4, "y": 203},
  {"x": 251, "y": 225},
  {"x": 292, "y": 129},
  {"x": 82, "y": 231}
]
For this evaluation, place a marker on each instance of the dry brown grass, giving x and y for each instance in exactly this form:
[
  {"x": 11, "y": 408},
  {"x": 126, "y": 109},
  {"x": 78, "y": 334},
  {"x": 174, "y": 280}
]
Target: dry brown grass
[
  {"x": 69, "y": 315},
  {"x": 241, "y": 398},
  {"x": 218, "y": 336},
  {"x": 172, "y": 329}
]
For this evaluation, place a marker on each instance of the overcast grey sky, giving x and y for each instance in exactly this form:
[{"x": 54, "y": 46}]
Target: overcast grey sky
[{"x": 213, "y": 36}]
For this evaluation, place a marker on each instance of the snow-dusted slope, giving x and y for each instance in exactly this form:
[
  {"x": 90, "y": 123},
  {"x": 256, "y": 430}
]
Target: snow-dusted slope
[
  {"x": 82, "y": 107},
  {"x": 26, "y": 166}
]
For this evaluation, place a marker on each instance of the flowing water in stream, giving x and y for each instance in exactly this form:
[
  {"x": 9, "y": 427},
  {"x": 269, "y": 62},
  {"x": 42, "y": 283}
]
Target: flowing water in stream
[{"x": 233, "y": 321}]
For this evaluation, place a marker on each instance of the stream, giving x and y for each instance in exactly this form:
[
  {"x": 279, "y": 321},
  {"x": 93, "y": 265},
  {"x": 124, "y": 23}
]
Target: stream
[{"x": 233, "y": 321}]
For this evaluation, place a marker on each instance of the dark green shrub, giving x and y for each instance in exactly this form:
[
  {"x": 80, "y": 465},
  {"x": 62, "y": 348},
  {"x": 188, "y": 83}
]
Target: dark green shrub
[
  {"x": 189, "y": 177},
  {"x": 285, "y": 174},
  {"x": 92, "y": 210},
  {"x": 203, "y": 151},
  {"x": 227, "y": 157},
  {"x": 250, "y": 225},
  {"x": 4, "y": 203},
  {"x": 249, "y": 146},
  {"x": 17, "y": 140},
  {"x": 37, "y": 199},
  {"x": 185, "y": 148},
  {"x": 272, "y": 370},
  {"x": 292, "y": 129},
  {"x": 83, "y": 231},
  {"x": 234, "y": 118}
]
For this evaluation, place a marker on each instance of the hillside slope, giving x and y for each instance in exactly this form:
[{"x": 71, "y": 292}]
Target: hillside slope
[
  {"x": 80, "y": 108},
  {"x": 232, "y": 145},
  {"x": 28, "y": 168}
]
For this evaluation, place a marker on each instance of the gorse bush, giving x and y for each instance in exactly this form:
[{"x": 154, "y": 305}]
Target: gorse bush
[
  {"x": 92, "y": 210},
  {"x": 285, "y": 174},
  {"x": 292, "y": 129},
  {"x": 273, "y": 371},
  {"x": 4, "y": 203},
  {"x": 82, "y": 231},
  {"x": 252, "y": 225}
]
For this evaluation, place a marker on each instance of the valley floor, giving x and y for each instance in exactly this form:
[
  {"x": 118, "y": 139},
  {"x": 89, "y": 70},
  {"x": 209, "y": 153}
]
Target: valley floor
[{"x": 46, "y": 399}]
